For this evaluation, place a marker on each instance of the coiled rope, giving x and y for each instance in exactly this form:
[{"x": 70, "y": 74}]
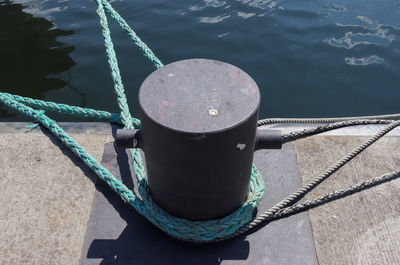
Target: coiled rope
[{"x": 238, "y": 222}]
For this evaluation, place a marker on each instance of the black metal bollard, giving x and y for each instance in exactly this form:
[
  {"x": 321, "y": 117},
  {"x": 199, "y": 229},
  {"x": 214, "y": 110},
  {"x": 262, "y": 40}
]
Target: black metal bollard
[{"x": 198, "y": 132}]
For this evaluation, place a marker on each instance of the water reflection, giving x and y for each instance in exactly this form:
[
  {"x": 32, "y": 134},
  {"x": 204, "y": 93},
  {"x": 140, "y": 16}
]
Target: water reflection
[
  {"x": 230, "y": 11},
  {"x": 378, "y": 34},
  {"x": 31, "y": 57},
  {"x": 213, "y": 20},
  {"x": 245, "y": 15},
  {"x": 305, "y": 55},
  {"x": 364, "y": 60}
]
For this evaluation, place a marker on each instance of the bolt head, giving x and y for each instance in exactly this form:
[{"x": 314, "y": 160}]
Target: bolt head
[{"x": 213, "y": 112}]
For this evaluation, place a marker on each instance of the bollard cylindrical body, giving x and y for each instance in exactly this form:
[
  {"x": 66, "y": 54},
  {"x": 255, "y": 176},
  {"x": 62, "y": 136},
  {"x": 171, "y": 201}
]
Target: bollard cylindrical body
[{"x": 198, "y": 122}]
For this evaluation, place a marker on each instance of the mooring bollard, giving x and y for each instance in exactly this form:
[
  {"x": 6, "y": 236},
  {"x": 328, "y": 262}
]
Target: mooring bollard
[{"x": 199, "y": 133}]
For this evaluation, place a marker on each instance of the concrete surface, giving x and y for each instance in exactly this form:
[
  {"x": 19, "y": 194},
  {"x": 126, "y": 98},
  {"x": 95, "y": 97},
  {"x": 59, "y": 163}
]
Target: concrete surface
[
  {"x": 46, "y": 197},
  {"x": 365, "y": 227}
]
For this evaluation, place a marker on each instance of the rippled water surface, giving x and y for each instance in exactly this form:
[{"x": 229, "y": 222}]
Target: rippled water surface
[{"x": 309, "y": 58}]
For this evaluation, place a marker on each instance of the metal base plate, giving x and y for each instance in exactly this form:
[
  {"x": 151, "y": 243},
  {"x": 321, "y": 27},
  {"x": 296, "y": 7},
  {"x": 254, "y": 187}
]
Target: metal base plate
[{"x": 117, "y": 234}]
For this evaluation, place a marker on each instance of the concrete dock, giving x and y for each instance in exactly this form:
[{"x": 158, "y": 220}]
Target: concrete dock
[{"x": 54, "y": 211}]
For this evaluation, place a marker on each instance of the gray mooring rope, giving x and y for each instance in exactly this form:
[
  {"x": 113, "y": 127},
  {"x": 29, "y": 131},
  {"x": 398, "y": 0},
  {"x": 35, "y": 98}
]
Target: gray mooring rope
[
  {"x": 327, "y": 120},
  {"x": 290, "y": 204},
  {"x": 292, "y": 136}
]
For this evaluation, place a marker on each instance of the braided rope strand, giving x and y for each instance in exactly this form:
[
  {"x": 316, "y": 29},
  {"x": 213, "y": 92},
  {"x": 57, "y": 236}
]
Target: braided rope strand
[
  {"x": 326, "y": 120},
  {"x": 305, "y": 189},
  {"x": 135, "y": 38},
  {"x": 292, "y": 136},
  {"x": 99, "y": 115},
  {"x": 115, "y": 73},
  {"x": 335, "y": 195},
  {"x": 50, "y": 124}
]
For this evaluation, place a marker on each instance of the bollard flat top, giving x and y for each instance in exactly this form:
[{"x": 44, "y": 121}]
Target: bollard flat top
[{"x": 199, "y": 95}]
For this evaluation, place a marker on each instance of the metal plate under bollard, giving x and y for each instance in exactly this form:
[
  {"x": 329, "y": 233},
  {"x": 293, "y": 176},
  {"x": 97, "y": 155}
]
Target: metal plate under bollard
[{"x": 198, "y": 132}]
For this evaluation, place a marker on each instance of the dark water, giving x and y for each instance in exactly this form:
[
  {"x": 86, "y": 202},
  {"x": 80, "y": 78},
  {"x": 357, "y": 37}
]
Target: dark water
[{"x": 309, "y": 58}]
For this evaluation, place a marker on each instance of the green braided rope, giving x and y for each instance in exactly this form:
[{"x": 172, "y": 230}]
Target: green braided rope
[
  {"x": 99, "y": 115},
  {"x": 142, "y": 46},
  {"x": 115, "y": 73},
  {"x": 194, "y": 231}
]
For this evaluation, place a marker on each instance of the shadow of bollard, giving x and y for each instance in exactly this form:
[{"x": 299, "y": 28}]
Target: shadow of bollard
[{"x": 138, "y": 241}]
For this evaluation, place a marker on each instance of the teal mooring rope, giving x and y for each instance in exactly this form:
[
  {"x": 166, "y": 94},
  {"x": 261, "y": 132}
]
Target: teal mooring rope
[
  {"x": 194, "y": 231},
  {"x": 177, "y": 227},
  {"x": 229, "y": 226}
]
